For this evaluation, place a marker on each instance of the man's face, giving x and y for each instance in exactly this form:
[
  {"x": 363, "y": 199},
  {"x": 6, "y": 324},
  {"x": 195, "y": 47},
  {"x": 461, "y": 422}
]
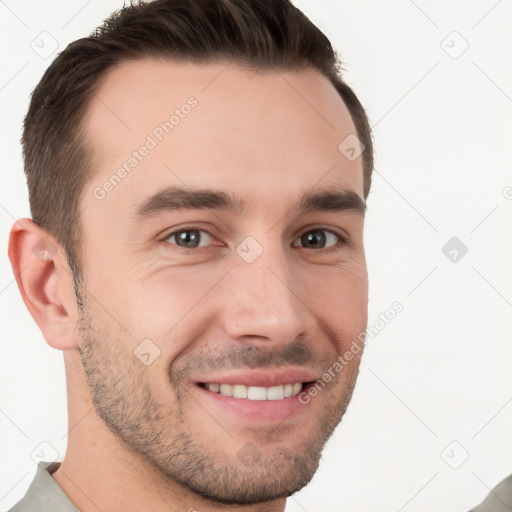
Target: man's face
[{"x": 207, "y": 273}]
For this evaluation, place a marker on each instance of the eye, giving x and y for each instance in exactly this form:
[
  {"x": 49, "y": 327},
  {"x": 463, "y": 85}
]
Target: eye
[
  {"x": 190, "y": 238},
  {"x": 318, "y": 239}
]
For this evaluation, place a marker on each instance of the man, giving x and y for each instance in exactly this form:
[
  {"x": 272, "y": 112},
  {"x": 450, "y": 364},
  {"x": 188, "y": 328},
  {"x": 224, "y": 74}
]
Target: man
[{"x": 197, "y": 174}]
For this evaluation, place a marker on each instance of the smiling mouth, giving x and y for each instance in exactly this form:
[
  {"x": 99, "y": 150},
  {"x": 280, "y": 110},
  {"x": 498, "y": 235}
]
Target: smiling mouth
[{"x": 260, "y": 393}]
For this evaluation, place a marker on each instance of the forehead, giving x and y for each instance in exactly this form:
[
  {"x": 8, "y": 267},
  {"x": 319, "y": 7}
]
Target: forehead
[{"x": 154, "y": 123}]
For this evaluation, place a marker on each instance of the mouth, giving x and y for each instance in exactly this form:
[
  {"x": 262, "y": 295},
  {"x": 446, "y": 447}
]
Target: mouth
[
  {"x": 258, "y": 397},
  {"x": 260, "y": 393}
]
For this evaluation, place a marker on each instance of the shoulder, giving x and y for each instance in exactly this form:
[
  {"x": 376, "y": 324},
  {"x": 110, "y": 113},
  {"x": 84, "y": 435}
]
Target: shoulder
[
  {"x": 44, "y": 494},
  {"x": 499, "y": 499}
]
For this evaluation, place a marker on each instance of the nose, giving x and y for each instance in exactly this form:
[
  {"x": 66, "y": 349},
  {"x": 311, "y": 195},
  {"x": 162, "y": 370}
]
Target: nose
[{"x": 265, "y": 305}]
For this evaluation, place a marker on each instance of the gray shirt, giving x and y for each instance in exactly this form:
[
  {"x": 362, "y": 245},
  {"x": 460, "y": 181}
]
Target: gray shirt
[
  {"x": 44, "y": 494},
  {"x": 499, "y": 499}
]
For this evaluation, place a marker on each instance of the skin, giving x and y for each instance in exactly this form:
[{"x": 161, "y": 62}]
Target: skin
[{"x": 147, "y": 437}]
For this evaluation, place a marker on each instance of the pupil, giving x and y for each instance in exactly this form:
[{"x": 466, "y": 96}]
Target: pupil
[
  {"x": 188, "y": 238},
  {"x": 313, "y": 239}
]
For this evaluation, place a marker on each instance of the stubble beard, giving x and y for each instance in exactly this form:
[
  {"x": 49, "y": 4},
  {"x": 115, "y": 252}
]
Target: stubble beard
[{"x": 123, "y": 399}]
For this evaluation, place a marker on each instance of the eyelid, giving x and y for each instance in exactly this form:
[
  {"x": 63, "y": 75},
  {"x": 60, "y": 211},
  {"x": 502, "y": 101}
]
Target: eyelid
[
  {"x": 343, "y": 238},
  {"x": 176, "y": 231}
]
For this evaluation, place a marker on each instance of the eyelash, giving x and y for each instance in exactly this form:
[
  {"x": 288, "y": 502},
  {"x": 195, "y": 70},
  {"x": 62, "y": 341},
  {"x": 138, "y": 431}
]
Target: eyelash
[{"x": 342, "y": 240}]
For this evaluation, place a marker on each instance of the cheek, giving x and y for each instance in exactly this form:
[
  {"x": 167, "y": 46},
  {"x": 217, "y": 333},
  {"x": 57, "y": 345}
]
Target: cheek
[
  {"x": 341, "y": 303},
  {"x": 153, "y": 300},
  {"x": 170, "y": 307}
]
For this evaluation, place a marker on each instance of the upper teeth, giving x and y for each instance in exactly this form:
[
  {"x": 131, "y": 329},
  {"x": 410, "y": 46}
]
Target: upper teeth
[{"x": 256, "y": 392}]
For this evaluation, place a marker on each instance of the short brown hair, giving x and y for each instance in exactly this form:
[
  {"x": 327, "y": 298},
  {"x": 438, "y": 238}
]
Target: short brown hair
[{"x": 259, "y": 34}]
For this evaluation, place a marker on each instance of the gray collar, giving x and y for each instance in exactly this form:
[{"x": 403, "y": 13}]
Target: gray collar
[{"x": 44, "y": 494}]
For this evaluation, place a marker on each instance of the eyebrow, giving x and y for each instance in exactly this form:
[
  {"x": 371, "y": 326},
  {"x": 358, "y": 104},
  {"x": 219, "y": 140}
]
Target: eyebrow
[{"x": 176, "y": 198}]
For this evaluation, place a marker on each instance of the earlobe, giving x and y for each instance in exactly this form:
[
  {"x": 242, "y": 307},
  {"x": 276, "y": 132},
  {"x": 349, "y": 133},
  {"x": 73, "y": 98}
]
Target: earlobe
[{"x": 44, "y": 281}]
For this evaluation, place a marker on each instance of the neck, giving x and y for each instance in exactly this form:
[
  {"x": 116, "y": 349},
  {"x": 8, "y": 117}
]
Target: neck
[{"x": 100, "y": 472}]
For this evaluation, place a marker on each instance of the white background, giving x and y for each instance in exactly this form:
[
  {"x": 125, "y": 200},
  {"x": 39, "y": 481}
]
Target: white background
[{"x": 440, "y": 371}]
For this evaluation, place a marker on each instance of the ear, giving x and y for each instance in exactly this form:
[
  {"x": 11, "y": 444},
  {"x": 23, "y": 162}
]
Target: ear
[{"x": 45, "y": 282}]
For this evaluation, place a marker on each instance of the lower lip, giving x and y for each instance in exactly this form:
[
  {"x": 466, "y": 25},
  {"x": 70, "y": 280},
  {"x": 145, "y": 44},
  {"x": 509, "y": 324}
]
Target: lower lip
[{"x": 256, "y": 411}]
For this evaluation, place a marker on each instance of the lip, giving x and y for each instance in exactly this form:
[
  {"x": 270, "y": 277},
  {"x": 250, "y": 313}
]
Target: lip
[
  {"x": 263, "y": 378},
  {"x": 261, "y": 412}
]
